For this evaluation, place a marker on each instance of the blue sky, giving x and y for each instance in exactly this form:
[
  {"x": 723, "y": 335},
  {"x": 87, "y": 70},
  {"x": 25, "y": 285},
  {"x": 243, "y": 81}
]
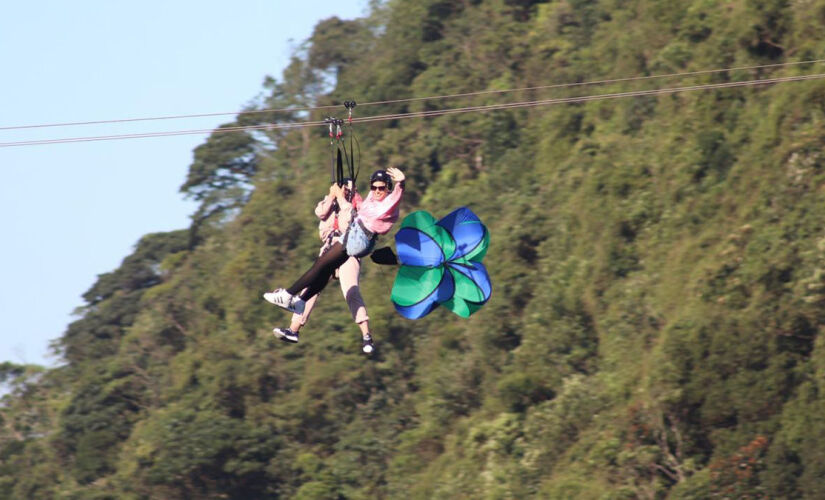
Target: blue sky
[{"x": 73, "y": 211}]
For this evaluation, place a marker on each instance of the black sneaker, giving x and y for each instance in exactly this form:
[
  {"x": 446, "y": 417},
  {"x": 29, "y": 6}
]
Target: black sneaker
[
  {"x": 286, "y": 335},
  {"x": 367, "y": 347}
]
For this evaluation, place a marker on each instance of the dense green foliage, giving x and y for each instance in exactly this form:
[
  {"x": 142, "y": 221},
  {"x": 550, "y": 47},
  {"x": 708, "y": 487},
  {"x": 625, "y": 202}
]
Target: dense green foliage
[{"x": 658, "y": 267}]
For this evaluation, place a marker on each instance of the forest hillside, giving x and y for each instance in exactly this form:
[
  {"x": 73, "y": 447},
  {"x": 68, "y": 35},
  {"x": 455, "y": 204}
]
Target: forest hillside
[{"x": 658, "y": 270}]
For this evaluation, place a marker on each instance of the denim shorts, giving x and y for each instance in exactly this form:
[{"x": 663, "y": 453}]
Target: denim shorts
[{"x": 358, "y": 241}]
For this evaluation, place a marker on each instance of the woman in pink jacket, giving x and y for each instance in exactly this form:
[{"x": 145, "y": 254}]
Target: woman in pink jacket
[{"x": 375, "y": 216}]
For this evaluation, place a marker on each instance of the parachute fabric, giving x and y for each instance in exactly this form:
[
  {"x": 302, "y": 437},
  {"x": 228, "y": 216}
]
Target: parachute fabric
[{"x": 441, "y": 264}]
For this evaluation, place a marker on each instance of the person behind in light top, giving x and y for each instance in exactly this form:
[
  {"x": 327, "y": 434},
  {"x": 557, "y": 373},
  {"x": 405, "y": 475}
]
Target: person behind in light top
[
  {"x": 376, "y": 215},
  {"x": 335, "y": 212}
]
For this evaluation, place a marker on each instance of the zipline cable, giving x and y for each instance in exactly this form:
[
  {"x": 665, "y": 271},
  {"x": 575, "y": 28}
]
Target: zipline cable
[
  {"x": 268, "y": 126},
  {"x": 596, "y": 97},
  {"x": 597, "y": 82},
  {"x": 427, "y": 114},
  {"x": 414, "y": 99}
]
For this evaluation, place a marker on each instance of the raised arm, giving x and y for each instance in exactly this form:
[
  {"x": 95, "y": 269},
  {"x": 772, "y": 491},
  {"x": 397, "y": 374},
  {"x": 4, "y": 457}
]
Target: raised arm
[
  {"x": 394, "y": 197},
  {"x": 324, "y": 207}
]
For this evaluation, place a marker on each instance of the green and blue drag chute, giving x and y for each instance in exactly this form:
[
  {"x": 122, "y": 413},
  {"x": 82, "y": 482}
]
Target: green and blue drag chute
[{"x": 441, "y": 264}]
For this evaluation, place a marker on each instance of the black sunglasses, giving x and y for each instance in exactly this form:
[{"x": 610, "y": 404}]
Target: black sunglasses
[{"x": 378, "y": 188}]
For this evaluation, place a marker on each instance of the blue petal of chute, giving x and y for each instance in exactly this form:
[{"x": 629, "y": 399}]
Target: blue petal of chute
[
  {"x": 416, "y": 248},
  {"x": 417, "y": 311},
  {"x": 442, "y": 293},
  {"x": 478, "y": 274},
  {"x": 466, "y": 229}
]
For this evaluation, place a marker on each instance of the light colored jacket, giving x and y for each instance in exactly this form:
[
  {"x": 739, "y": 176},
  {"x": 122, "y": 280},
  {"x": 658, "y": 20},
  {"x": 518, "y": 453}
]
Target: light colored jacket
[
  {"x": 329, "y": 220},
  {"x": 379, "y": 216}
]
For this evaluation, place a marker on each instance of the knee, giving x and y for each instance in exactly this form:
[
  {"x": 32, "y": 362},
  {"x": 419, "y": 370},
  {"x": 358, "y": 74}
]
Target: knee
[{"x": 353, "y": 295}]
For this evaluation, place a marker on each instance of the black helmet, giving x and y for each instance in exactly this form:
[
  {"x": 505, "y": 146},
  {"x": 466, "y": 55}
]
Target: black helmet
[{"x": 383, "y": 176}]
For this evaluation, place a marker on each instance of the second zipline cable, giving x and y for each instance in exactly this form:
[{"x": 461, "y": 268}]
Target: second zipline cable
[
  {"x": 415, "y": 99},
  {"x": 427, "y": 114}
]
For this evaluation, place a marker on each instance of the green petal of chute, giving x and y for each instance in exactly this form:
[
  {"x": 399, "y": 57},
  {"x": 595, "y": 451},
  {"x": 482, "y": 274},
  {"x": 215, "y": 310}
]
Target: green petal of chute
[
  {"x": 461, "y": 306},
  {"x": 466, "y": 288},
  {"x": 413, "y": 284},
  {"x": 426, "y": 223}
]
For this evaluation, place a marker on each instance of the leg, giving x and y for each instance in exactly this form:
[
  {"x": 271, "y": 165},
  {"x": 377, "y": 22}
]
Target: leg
[
  {"x": 348, "y": 274},
  {"x": 299, "y": 320},
  {"x": 316, "y": 278}
]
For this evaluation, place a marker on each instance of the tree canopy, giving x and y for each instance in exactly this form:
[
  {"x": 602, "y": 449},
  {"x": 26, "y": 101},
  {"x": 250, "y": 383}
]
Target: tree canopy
[{"x": 658, "y": 266}]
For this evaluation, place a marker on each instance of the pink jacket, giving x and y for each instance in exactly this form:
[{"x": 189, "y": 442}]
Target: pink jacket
[
  {"x": 379, "y": 216},
  {"x": 328, "y": 218}
]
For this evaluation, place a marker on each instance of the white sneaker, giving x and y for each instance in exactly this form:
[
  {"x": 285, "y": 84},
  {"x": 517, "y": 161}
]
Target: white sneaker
[
  {"x": 279, "y": 297},
  {"x": 282, "y": 298}
]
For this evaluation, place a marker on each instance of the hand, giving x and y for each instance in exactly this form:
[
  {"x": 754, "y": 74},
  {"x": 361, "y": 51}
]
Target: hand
[
  {"x": 339, "y": 193},
  {"x": 397, "y": 175},
  {"x": 332, "y": 189}
]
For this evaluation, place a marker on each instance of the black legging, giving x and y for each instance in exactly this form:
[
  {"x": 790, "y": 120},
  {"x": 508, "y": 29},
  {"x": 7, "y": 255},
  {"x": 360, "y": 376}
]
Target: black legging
[{"x": 321, "y": 271}]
